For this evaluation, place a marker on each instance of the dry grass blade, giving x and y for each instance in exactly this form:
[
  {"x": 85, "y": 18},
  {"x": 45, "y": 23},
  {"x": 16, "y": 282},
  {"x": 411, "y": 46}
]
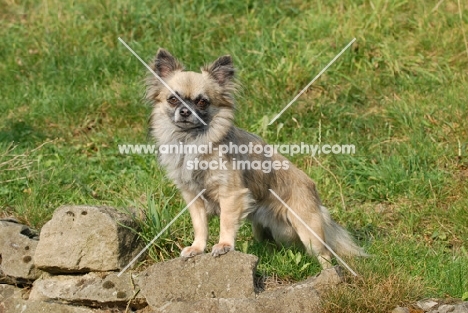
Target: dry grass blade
[{"x": 9, "y": 161}]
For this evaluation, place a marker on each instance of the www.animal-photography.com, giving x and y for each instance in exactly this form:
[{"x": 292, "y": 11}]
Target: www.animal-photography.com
[{"x": 229, "y": 156}]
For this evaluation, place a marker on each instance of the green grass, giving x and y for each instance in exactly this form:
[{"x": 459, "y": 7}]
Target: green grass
[{"x": 70, "y": 93}]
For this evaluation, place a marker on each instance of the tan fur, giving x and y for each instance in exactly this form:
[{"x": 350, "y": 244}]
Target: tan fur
[{"x": 233, "y": 194}]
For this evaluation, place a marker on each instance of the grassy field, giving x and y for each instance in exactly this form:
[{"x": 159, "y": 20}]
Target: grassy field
[{"x": 70, "y": 93}]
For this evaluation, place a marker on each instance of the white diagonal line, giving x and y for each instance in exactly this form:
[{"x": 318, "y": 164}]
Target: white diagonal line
[
  {"x": 160, "y": 233},
  {"x": 161, "y": 80},
  {"x": 313, "y": 80},
  {"x": 314, "y": 233}
]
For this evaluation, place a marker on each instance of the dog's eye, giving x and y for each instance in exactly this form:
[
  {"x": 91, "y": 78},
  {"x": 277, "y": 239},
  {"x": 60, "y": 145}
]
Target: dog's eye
[
  {"x": 172, "y": 100},
  {"x": 202, "y": 103}
]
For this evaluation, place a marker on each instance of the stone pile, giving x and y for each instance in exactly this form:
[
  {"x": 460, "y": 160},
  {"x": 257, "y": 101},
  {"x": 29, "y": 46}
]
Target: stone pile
[{"x": 73, "y": 266}]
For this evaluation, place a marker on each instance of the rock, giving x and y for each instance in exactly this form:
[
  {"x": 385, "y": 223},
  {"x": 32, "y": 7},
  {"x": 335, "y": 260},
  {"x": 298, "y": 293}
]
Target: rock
[
  {"x": 7, "y": 291},
  {"x": 324, "y": 280},
  {"x": 304, "y": 299},
  {"x": 17, "y": 249},
  {"x": 15, "y": 300},
  {"x": 292, "y": 302},
  {"x": 81, "y": 239},
  {"x": 15, "y": 305},
  {"x": 461, "y": 308},
  {"x": 445, "y": 308},
  {"x": 210, "y": 306},
  {"x": 300, "y": 297},
  {"x": 206, "y": 280},
  {"x": 93, "y": 289},
  {"x": 199, "y": 278},
  {"x": 427, "y": 305},
  {"x": 147, "y": 309},
  {"x": 400, "y": 309}
]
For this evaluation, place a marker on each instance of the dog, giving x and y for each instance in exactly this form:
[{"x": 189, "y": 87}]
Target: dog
[{"x": 200, "y": 113}]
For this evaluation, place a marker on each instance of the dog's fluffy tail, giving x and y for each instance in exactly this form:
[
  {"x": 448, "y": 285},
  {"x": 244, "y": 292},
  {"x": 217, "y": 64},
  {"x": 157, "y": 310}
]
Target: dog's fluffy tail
[{"x": 338, "y": 238}]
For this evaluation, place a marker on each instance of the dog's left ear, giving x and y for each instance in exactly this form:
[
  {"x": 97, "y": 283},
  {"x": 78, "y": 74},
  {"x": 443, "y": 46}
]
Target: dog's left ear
[{"x": 222, "y": 70}]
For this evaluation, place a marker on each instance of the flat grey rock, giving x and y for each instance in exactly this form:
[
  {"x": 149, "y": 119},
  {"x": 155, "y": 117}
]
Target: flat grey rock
[
  {"x": 300, "y": 297},
  {"x": 210, "y": 305},
  {"x": 199, "y": 278},
  {"x": 8, "y": 291},
  {"x": 17, "y": 249},
  {"x": 81, "y": 239},
  {"x": 14, "y": 305},
  {"x": 93, "y": 289},
  {"x": 461, "y": 308},
  {"x": 226, "y": 284}
]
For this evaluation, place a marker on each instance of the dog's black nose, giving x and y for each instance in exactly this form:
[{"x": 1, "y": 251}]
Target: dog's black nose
[{"x": 185, "y": 112}]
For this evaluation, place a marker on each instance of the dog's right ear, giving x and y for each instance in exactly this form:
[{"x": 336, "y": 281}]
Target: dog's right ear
[{"x": 165, "y": 64}]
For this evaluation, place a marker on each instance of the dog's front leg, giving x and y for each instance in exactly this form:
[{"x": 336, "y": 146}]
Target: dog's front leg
[
  {"x": 232, "y": 204},
  {"x": 200, "y": 226}
]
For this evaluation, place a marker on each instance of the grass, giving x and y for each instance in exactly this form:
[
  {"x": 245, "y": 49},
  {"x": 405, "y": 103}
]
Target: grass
[{"x": 70, "y": 93}]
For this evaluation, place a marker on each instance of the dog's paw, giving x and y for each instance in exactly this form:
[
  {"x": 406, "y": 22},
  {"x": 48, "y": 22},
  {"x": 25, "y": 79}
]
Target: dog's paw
[
  {"x": 221, "y": 248},
  {"x": 189, "y": 252}
]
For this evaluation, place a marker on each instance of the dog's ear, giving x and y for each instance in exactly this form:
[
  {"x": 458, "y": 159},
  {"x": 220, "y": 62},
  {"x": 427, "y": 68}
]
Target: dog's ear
[
  {"x": 222, "y": 70},
  {"x": 165, "y": 64}
]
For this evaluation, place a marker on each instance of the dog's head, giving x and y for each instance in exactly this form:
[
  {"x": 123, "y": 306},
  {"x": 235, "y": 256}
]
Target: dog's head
[{"x": 187, "y": 101}]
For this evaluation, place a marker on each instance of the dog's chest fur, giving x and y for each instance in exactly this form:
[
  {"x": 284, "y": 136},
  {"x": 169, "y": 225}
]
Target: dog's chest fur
[{"x": 181, "y": 169}]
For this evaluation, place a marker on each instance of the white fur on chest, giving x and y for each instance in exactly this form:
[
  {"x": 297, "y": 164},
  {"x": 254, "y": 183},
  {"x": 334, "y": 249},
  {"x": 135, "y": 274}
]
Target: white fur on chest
[{"x": 177, "y": 166}]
